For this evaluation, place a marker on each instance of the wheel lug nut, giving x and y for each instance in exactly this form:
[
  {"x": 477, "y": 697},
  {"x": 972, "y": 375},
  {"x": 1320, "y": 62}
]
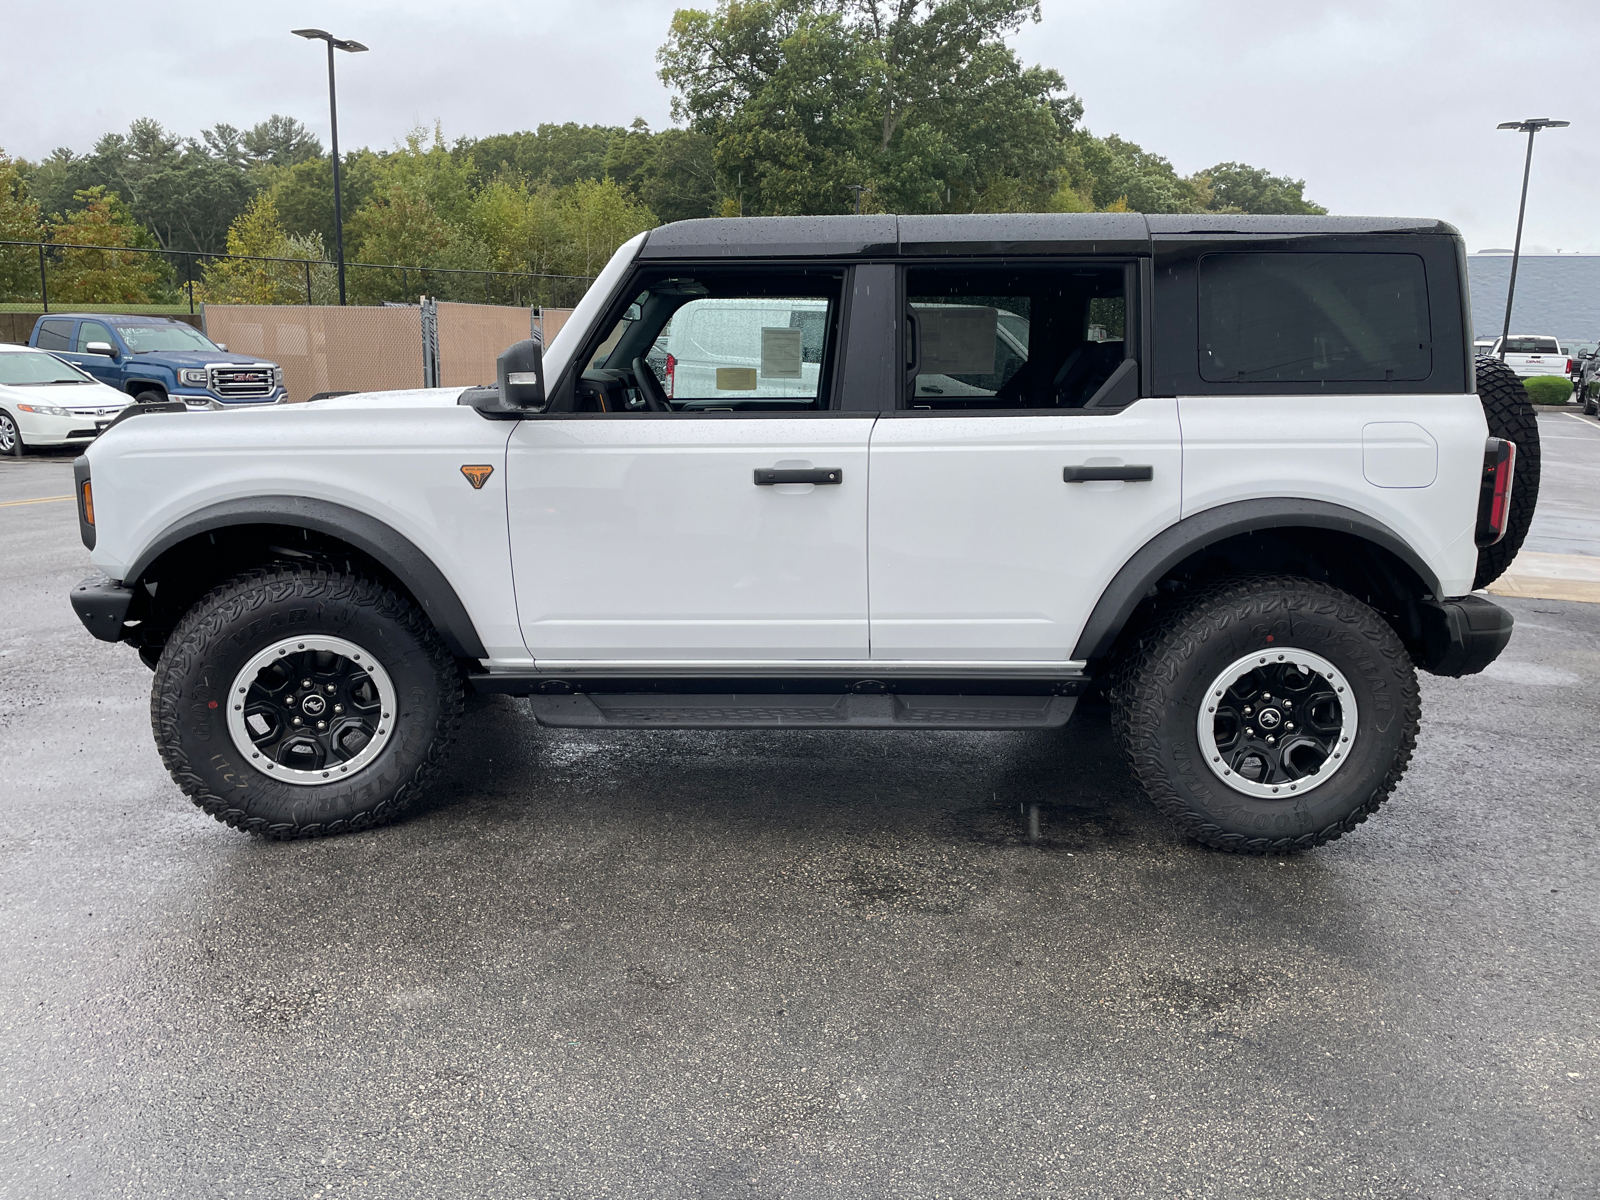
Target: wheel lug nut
[
  {"x": 1248, "y": 732},
  {"x": 305, "y": 683},
  {"x": 322, "y": 724},
  {"x": 1271, "y": 741},
  {"x": 1290, "y": 726},
  {"x": 296, "y": 721},
  {"x": 1248, "y": 710},
  {"x": 339, "y": 708},
  {"x": 330, "y": 689}
]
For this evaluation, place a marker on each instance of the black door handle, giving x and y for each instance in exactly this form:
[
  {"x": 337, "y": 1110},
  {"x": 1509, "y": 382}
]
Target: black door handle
[
  {"x": 1104, "y": 474},
  {"x": 767, "y": 476}
]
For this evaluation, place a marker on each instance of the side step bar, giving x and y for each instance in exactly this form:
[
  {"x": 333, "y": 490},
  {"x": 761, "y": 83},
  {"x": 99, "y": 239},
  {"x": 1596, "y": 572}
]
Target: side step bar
[{"x": 645, "y": 710}]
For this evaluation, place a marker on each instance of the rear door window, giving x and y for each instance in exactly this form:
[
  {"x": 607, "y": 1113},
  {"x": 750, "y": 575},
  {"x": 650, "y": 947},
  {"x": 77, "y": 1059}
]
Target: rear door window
[
  {"x": 1314, "y": 318},
  {"x": 1002, "y": 338},
  {"x": 55, "y": 335}
]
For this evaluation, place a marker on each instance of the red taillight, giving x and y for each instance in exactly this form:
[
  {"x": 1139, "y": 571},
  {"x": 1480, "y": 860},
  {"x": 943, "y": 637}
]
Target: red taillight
[
  {"x": 672, "y": 377},
  {"x": 1494, "y": 493}
]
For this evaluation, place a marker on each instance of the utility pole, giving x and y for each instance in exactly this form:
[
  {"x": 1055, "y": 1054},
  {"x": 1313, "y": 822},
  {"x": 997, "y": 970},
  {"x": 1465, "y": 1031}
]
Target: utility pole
[
  {"x": 333, "y": 122},
  {"x": 1531, "y": 126}
]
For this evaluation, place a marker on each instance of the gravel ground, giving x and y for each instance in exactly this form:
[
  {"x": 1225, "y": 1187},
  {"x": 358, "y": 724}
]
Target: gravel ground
[{"x": 788, "y": 964}]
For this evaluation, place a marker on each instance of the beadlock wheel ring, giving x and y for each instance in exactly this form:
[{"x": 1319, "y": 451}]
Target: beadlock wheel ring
[
  {"x": 343, "y": 698},
  {"x": 1249, "y": 722}
]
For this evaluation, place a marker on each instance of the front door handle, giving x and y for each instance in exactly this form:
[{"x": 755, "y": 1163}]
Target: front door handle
[
  {"x": 767, "y": 476},
  {"x": 1108, "y": 474}
]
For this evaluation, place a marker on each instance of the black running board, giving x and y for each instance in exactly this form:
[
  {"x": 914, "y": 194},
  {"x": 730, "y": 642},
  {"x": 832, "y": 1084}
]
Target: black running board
[{"x": 644, "y": 710}]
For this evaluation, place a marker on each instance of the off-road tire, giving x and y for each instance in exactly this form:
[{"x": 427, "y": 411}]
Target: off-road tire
[
  {"x": 13, "y": 446},
  {"x": 1157, "y": 691},
  {"x": 233, "y": 622},
  {"x": 1511, "y": 416}
]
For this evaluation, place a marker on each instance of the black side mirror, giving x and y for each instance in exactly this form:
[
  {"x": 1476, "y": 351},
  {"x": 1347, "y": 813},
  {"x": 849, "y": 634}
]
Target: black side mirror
[{"x": 520, "y": 390}]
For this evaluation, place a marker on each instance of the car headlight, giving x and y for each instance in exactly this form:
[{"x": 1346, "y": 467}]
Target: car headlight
[
  {"x": 195, "y": 376},
  {"x": 45, "y": 410}
]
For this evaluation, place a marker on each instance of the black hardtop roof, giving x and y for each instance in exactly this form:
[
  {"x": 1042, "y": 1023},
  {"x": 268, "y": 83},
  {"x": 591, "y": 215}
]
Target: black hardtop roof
[
  {"x": 112, "y": 318},
  {"x": 991, "y": 233}
]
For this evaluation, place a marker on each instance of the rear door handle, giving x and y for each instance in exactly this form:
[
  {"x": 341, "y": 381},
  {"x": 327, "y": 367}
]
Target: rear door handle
[
  {"x": 1108, "y": 474},
  {"x": 767, "y": 476}
]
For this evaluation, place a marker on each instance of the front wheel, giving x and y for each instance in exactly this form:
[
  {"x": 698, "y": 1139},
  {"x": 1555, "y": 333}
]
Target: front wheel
[
  {"x": 1268, "y": 714},
  {"x": 10, "y": 436},
  {"x": 295, "y": 702}
]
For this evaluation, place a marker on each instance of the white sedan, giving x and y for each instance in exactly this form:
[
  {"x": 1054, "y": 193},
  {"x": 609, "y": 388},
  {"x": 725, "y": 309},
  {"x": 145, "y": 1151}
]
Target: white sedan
[{"x": 47, "y": 402}]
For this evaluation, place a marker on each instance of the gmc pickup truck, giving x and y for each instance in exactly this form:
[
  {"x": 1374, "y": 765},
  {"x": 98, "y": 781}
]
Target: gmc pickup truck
[
  {"x": 156, "y": 358},
  {"x": 1534, "y": 355}
]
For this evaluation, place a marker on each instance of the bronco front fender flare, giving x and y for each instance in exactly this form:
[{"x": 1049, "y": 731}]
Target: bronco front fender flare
[
  {"x": 1177, "y": 542},
  {"x": 414, "y": 569}
]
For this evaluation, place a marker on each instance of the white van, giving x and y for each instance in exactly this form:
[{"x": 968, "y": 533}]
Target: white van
[{"x": 741, "y": 349}]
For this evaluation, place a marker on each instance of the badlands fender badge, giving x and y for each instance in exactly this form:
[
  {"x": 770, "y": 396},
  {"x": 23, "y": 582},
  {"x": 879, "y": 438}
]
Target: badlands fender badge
[{"x": 477, "y": 476}]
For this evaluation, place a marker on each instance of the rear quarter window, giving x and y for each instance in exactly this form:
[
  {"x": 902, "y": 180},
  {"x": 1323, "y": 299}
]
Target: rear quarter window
[{"x": 1313, "y": 318}]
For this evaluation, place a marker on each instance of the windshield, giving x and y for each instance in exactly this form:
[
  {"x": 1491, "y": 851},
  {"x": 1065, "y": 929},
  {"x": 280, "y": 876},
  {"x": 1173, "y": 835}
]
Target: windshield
[
  {"x": 29, "y": 370},
  {"x": 143, "y": 339}
]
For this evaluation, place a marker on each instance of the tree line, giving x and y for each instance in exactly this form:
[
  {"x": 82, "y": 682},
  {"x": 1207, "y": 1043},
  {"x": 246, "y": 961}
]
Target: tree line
[{"x": 781, "y": 107}]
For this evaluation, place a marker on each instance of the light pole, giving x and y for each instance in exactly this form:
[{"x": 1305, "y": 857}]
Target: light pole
[
  {"x": 333, "y": 124},
  {"x": 1530, "y": 127}
]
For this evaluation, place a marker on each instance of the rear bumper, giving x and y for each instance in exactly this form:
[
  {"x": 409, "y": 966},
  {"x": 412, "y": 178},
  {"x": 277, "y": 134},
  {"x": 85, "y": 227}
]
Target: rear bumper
[
  {"x": 102, "y": 606},
  {"x": 1463, "y": 636}
]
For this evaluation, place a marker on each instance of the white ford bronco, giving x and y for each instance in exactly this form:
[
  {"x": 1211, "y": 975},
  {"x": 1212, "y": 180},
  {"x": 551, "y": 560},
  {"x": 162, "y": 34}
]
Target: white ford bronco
[{"x": 1239, "y": 474}]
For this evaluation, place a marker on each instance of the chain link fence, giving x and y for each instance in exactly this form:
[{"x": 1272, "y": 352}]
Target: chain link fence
[{"x": 44, "y": 275}]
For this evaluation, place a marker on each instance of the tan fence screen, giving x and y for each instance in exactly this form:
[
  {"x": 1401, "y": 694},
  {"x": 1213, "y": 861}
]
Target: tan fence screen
[
  {"x": 472, "y": 336},
  {"x": 324, "y": 348}
]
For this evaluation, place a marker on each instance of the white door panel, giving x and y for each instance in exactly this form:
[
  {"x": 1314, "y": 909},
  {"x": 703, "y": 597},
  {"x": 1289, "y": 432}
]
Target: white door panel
[
  {"x": 980, "y": 550},
  {"x": 648, "y": 539},
  {"x": 1348, "y": 450}
]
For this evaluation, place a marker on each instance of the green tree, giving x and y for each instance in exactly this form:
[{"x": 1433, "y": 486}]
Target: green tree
[
  {"x": 256, "y": 277},
  {"x": 102, "y": 276},
  {"x": 19, "y": 222},
  {"x": 303, "y": 193},
  {"x": 923, "y": 103},
  {"x": 280, "y": 142},
  {"x": 598, "y": 217},
  {"x": 1237, "y": 187},
  {"x": 1123, "y": 173},
  {"x": 553, "y": 154}
]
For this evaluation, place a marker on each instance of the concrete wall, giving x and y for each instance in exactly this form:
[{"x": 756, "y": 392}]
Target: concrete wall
[{"x": 1557, "y": 294}]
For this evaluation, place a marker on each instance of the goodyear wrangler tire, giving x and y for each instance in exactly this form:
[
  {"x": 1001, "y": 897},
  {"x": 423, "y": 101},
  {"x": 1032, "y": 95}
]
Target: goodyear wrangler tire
[
  {"x": 297, "y": 702},
  {"x": 1511, "y": 416},
  {"x": 1268, "y": 714}
]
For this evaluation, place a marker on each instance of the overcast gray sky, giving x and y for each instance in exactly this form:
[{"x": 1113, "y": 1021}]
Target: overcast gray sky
[{"x": 1382, "y": 106}]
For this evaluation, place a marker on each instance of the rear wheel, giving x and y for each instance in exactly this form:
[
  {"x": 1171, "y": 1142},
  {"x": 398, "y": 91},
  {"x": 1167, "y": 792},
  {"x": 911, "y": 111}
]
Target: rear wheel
[
  {"x": 1268, "y": 714},
  {"x": 1511, "y": 416},
  {"x": 296, "y": 702}
]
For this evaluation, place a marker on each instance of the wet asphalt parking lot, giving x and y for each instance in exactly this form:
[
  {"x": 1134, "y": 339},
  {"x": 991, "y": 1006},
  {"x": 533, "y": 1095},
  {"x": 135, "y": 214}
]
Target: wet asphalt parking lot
[{"x": 794, "y": 964}]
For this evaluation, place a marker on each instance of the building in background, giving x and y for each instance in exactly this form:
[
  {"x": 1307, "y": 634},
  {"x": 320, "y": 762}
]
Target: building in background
[{"x": 1557, "y": 294}]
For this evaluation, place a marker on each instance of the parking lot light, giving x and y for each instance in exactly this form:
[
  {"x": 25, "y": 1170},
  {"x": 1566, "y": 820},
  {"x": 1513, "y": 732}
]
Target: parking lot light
[
  {"x": 351, "y": 47},
  {"x": 1530, "y": 127}
]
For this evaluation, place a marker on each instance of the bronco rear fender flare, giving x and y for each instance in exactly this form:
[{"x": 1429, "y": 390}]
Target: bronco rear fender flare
[
  {"x": 1177, "y": 542},
  {"x": 415, "y": 571}
]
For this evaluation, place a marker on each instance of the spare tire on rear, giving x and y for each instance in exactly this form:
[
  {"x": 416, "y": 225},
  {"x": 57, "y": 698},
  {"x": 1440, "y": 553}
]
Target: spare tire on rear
[{"x": 1511, "y": 416}]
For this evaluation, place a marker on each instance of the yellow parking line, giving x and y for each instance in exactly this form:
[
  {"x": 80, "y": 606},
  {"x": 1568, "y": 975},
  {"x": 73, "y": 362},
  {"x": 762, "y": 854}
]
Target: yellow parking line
[{"x": 40, "y": 500}]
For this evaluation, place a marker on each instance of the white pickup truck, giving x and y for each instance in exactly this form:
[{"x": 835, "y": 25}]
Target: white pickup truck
[
  {"x": 1239, "y": 474},
  {"x": 1533, "y": 354}
]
